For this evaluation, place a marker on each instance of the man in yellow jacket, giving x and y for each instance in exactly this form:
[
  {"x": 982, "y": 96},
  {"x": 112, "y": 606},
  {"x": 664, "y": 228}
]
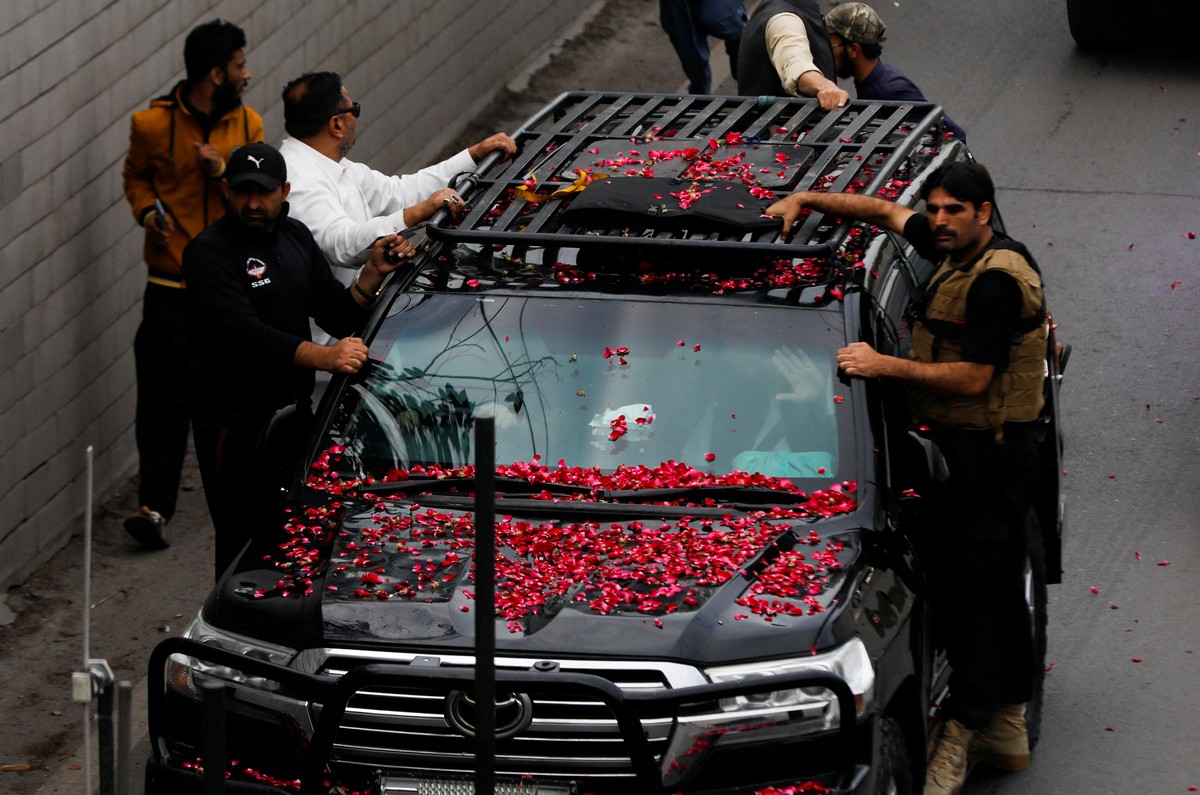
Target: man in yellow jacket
[{"x": 177, "y": 152}]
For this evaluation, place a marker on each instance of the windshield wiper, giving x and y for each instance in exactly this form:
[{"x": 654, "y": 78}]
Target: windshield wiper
[
  {"x": 733, "y": 495},
  {"x": 705, "y": 497},
  {"x": 505, "y": 486}
]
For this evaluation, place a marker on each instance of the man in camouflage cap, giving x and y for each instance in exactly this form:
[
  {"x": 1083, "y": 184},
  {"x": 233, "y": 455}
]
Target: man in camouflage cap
[
  {"x": 856, "y": 22},
  {"x": 856, "y": 34}
]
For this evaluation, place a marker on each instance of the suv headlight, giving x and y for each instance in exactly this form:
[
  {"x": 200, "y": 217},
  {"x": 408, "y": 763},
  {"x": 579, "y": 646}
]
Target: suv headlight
[
  {"x": 770, "y": 715},
  {"x": 815, "y": 707},
  {"x": 183, "y": 671}
]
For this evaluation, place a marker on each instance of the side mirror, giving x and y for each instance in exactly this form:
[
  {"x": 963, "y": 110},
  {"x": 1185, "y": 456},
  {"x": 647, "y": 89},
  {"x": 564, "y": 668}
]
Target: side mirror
[{"x": 282, "y": 442}]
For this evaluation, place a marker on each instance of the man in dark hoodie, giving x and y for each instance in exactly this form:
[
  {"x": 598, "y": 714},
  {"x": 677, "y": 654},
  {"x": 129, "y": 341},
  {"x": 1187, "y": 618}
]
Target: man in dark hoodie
[{"x": 254, "y": 279}]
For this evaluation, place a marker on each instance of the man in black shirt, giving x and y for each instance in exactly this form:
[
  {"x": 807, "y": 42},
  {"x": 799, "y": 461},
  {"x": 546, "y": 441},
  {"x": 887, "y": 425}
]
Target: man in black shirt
[
  {"x": 974, "y": 375},
  {"x": 255, "y": 277}
]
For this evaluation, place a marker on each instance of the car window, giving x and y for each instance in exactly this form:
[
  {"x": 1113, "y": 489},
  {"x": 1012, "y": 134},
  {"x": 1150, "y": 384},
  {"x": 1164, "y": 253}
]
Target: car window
[{"x": 601, "y": 382}]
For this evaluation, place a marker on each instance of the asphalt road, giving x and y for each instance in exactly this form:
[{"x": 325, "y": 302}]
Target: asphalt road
[
  {"x": 1097, "y": 161},
  {"x": 1097, "y": 164}
]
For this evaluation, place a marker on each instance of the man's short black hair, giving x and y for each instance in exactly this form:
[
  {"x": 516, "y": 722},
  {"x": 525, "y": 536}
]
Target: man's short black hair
[
  {"x": 211, "y": 45},
  {"x": 870, "y": 50},
  {"x": 309, "y": 101},
  {"x": 965, "y": 181}
]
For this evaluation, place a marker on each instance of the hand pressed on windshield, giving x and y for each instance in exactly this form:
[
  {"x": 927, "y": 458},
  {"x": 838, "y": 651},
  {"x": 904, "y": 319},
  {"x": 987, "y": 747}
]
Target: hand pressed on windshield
[{"x": 805, "y": 379}]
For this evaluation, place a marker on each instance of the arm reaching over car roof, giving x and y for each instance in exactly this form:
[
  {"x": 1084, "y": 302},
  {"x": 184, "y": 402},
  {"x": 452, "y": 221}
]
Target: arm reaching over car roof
[{"x": 878, "y": 212}]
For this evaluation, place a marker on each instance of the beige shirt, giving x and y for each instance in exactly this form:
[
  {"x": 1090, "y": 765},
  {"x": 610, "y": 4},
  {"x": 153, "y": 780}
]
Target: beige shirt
[{"x": 788, "y": 48}]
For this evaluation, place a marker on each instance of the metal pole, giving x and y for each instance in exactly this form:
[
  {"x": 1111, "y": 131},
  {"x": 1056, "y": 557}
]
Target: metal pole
[
  {"x": 485, "y": 606},
  {"x": 87, "y": 749},
  {"x": 87, "y": 565},
  {"x": 104, "y": 720},
  {"x": 87, "y": 626},
  {"x": 124, "y": 736},
  {"x": 212, "y": 736}
]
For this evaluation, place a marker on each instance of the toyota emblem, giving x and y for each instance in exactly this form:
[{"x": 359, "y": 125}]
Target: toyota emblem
[{"x": 514, "y": 713}]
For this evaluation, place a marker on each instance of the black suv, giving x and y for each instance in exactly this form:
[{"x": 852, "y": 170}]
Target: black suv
[{"x": 708, "y": 564}]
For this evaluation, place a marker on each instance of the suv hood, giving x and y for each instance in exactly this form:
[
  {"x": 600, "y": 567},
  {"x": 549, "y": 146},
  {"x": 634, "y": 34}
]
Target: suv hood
[
  {"x": 594, "y": 582},
  {"x": 703, "y": 584}
]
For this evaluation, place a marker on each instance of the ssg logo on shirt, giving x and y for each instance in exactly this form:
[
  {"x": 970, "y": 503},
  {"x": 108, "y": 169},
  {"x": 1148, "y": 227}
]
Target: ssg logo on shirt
[{"x": 255, "y": 269}]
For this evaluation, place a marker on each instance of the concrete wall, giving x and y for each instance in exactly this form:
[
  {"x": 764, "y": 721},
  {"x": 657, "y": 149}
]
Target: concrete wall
[{"x": 71, "y": 277}]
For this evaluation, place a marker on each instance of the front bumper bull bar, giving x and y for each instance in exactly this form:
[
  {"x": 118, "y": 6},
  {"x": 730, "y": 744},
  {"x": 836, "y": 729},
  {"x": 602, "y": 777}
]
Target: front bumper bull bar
[{"x": 333, "y": 695}]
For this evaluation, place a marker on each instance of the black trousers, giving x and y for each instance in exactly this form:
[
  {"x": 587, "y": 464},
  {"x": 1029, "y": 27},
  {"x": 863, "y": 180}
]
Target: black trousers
[
  {"x": 689, "y": 23},
  {"x": 240, "y": 493},
  {"x": 978, "y": 561},
  {"x": 244, "y": 469},
  {"x": 161, "y": 421}
]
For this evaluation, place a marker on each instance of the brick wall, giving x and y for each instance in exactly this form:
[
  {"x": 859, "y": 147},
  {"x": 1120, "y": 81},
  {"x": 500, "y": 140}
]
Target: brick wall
[{"x": 71, "y": 277}]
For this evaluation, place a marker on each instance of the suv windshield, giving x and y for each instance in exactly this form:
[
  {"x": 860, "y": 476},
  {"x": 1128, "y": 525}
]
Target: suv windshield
[{"x": 600, "y": 381}]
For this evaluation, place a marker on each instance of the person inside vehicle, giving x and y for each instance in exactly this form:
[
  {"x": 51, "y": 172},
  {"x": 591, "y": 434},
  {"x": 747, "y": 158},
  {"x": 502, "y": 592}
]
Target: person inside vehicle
[
  {"x": 797, "y": 437},
  {"x": 856, "y": 34},
  {"x": 785, "y": 51},
  {"x": 177, "y": 152},
  {"x": 347, "y": 205},
  {"x": 974, "y": 376},
  {"x": 255, "y": 278}
]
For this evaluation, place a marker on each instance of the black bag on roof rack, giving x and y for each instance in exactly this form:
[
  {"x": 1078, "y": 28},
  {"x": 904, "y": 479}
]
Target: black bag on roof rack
[
  {"x": 672, "y": 205},
  {"x": 777, "y": 166}
]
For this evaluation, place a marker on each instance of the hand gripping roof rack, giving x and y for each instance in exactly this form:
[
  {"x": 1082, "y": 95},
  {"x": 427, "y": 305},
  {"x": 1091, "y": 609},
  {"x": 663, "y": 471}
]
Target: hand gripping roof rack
[{"x": 862, "y": 147}]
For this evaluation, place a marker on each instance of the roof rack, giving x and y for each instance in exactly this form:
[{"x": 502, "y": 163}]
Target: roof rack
[{"x": 774, "y": 146}]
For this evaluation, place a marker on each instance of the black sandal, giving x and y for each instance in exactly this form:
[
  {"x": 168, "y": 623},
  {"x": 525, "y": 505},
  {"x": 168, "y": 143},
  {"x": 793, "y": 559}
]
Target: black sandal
[{"x": 148, "y": 530}]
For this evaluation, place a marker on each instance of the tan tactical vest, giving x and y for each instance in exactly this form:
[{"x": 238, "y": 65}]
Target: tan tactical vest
[{"x": 1015, "y": 393}]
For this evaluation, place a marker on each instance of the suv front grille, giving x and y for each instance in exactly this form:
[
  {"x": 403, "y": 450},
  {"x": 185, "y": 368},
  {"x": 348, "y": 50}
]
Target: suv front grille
[{"x": 569, "y": 737}]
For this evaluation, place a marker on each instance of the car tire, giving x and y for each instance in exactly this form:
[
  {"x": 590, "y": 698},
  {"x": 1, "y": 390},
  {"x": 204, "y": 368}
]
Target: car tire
[
  {"x": 894, "y": 764},
  {"x": 1035, "y": 596},
  {"x": 1098, "y": 24}
]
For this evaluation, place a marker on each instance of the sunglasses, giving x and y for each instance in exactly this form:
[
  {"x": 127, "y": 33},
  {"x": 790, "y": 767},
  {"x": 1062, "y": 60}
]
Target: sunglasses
[{"x": 353, "y": 110}]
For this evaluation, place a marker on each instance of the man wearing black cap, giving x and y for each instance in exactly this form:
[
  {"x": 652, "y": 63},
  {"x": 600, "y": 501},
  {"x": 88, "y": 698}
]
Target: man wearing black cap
[{"x": 255, "y": 277}]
